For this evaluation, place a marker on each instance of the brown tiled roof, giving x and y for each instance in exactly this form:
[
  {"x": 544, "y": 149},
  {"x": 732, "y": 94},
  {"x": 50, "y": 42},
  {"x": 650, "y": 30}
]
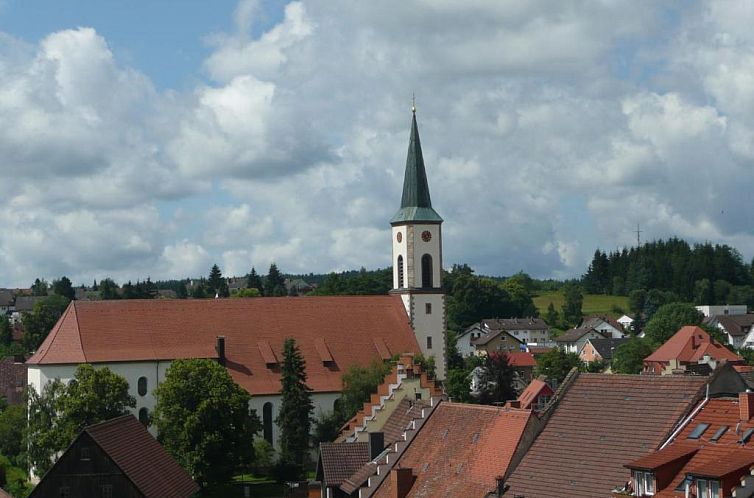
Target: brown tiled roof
[
  {"x": 736, "y": 325},
  {"x": 690, "y": 344},
  {"x": 142, "y": 459},
  {"x": 662, "y": 457},
  {"x": 144, "y": 330},
  {"x": 406, "y": 411},
  {"x": 341, "y": 460},
  {"x": 600, "y": 423},
  {"x": 574, "y": 334},
  {"x": 533, "y": 390},
  {"x": 521, "y": 359},
  {"x": 460, "y": 450},
  {"x": 515, "y": 323}
]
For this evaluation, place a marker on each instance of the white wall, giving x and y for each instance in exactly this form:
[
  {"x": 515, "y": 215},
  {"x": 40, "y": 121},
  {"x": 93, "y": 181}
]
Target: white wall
[{"x": 723, "y": 309}]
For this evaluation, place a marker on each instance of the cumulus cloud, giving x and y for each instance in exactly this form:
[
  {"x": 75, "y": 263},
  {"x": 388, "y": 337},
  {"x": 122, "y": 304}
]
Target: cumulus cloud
[{"x": 549, "y": 129}]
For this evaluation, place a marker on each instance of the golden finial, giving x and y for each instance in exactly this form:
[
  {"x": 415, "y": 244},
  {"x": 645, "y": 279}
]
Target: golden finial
[{"x": 413, "y": 102}]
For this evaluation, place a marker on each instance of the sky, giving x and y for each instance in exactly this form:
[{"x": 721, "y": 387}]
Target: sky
[{"x": 153, "y": 139}]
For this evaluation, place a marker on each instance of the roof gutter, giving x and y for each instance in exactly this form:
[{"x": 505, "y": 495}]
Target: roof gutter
[{"x": 687, "y": 419}]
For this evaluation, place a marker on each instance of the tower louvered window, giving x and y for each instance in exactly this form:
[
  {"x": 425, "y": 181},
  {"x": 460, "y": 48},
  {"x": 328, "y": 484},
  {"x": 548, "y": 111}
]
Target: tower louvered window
[{"x": 400, "y": 272}]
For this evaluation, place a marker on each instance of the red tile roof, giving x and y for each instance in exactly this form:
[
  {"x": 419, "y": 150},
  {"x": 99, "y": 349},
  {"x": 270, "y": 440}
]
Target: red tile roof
[
  {"x": 662, "y": 457},
  {"x": 521, "y": 359},
  {"x": 340, "y": 460},
  {"x": 601, "y": 422},
  {"x": 690, "y": 344},
  {"x": 460, "y": 450},
  {"x": 535, "y": 388},
  {"x": 712, "y": 458},
  {"x": 144, "y": 461},
  {"x": 354, "y": 330}
]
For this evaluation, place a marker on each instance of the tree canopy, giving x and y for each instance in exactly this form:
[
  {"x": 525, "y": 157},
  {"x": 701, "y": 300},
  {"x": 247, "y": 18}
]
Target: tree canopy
[
  {"x": 38, "y": 323},
  {"x": 556, "y": 363},
  {"x": 629, "y": 356},
  {"x": 274, "y": 283},
  {"x": 496, "y": 380},
  {"x": 204, "y": 421},
  {"x": 669, "y": 318}
]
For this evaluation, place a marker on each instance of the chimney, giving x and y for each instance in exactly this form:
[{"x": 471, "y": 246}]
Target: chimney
[
  {"x": 401, "y": 478},
  {"x": 514, "y": 403},
  {"x": 746, "y": 405},
  {"x": 376, "y": 444},
  {"x": 220, "y": 348}
]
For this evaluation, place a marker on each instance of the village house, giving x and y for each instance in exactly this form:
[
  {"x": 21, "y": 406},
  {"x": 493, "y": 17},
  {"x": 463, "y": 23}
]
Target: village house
[
  {"x": 690, "y": 346},
  {"x": 600, "y": 349},
  {"x": 608, "y": 326},
  {"x": 112, "y": 459},
  {"x": 626, "y": 321},
  {"x": 499, "y": 340},
  {"x": 574, "y": 339},
  {"x": 599, "y": 422},
  {"x": 534, "y": 331},
  {"x": 722, "y": 309},
  {"x": 737, "y": 328},
  {"x": 537, "y": 395}
]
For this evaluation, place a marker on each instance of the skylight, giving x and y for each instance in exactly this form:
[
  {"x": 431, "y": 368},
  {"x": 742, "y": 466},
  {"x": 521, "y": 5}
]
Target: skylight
[
  {"x": 746, "y": 435},
  {"x": 722, "y": 430},
  {"x": 697, "y": 433}
]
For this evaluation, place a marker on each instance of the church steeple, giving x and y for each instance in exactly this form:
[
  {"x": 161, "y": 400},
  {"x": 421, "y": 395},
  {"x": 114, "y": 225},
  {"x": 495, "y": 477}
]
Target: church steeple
[{"x": 416, "y": 204}]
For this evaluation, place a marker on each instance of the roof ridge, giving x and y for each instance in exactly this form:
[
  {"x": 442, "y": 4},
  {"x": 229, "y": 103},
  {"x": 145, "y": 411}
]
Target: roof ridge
[
  {"x": 78, "y": 328},
  {"x": 110, "y": 421}
]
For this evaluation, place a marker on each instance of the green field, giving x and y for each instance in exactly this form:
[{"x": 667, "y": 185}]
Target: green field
[{"x": 594, "y": 304}]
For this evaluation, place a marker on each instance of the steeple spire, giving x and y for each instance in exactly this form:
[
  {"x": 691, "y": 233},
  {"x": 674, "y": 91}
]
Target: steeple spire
[{"x": 416, "y": 204}]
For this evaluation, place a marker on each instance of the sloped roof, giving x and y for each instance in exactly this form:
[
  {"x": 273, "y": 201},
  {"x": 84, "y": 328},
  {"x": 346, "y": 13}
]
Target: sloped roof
[
  {"x": 6, "y": 299},
  {"x": 26, "y": 303},
  {"x": 521, "y": 359},
  {"x": 144, "y": 461},
  {"x": 149, "y": 330},
  {"x": 594, "y": 322},
  {"x": 533, "y": 390},
  {"x": 601, "y": 422},
  {"x": 736, "y": 325},
  {"x": 341, "y": 460},
  {"x": 486, "y": 338},
  {"x": 690, "y": 344},
  {"x": 606, "y": 347},
  {"x": 530, "y": 323},
  {"x": 460, "y": 450},
  {"x": 406, "y": 411},
  {"x": 574, "y": 335},
  {"x": 709, "y": 459},
  {"x": 416, "y": 204}
]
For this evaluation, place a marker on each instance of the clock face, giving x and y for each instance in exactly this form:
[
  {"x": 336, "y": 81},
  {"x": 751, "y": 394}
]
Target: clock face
[
  {"x": 426, "y": 236},
  {"x": 399, "y": 237}
]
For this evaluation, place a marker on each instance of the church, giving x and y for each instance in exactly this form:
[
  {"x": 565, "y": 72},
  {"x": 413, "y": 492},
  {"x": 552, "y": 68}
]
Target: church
[{"x": 138, "y": 339}]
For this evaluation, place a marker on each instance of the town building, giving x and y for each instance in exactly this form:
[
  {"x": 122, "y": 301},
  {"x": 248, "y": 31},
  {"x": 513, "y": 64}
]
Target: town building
[
  {"x": 722, "y": 309},
  {"x": 600, "y": 349},
  {"x": 737, "y": 328},
  {"x": 537, "y": 395},
  {"x": 527, "y": 331},
  {"x": 599, "y": 422},
  {"x": 626, "y": 321},
  {"x": 496, "y": 341},
  {"x": 606, "y": 325},
  {"x": 116, "y": 458},
  {"x": 688, "y": 347},
  {"x": 573, "y": 340}
]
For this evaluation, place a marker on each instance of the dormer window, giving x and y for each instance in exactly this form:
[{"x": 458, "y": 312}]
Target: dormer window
[
  {"x": 644, "y": 483},
  {"x": 707, "y": 489}
]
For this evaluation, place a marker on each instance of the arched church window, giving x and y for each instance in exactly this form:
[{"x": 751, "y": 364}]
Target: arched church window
[
  {"x": 400, "y": 271},
  {"x": 267, "y": 421},
  {"x": 142, "y": 386},
  {"x": 426, "y": 271},
  {"x": 144, "y": 416}
]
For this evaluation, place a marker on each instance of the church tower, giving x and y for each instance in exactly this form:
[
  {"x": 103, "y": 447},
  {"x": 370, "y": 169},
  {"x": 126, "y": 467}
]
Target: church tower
[{"x": 417, "y": 257}]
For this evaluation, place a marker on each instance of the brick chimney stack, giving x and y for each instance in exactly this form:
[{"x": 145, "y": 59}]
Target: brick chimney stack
[
  {"x": 401, "y": 479},
  {"x": 746, "y": 405}
]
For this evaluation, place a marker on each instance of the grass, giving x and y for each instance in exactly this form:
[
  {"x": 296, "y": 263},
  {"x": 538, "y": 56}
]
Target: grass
[{"x": 594, "y": 304}]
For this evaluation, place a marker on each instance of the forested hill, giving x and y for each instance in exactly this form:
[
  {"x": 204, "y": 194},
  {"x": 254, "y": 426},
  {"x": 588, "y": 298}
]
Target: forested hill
[{"x": 702, "y": 273}]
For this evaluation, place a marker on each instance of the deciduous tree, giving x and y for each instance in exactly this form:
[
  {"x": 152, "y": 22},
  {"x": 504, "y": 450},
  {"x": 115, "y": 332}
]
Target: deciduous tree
[
  {"x": 203, "y": 420},
  {"x": 629, "y": 356},
  {"x": 38, "y": 323},
  {"x": 556, "y": 363},
  {"x": 669, "y": 318}
]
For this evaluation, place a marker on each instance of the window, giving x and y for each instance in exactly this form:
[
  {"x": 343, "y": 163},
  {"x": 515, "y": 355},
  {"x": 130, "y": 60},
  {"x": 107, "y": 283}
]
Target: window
[
  {"x": 697, "y": 433},
  {"x": 85, "y": 453},
  {"x": 722, "y": 430},
  {"x": 65, "y": 492},
  {"x": 107, "y": 491},
  {"x": 429, "y": 343},
  {"x": 144, "y": 416},
  {"x": 428, "y": 308},
  {"x": 426, "y": 271},
  {"x": 644, "y": 483},
  {"x": 142, "y": 386},
  {"x": 267, "y": 421},
  {"x": 400, "y": 271}
]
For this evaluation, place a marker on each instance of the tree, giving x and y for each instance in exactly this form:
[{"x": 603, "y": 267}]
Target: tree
[
  {"x": 294, "y": 417},
  {"x": 199, "y": 291},
  {"x": 629, "y": 356},
  {"x": 63, "y": 287},
  {"x": 255, "y": 281},
  {"x": 6, "y": 331},
  {"x": 246, "y": 293},
  {"x": 60, "y": 412},
  {"x": 669, "y": 318},
  {"x": 358, "y": 384},
  {"x": 636, "y": 302},
  {"x": 556, "y": 363},
  {"x": 39, "y": 288},
  {"x": 573, "y": 300},
  {"x": 12, "y": 425},
  {"x": 182, "y": 292},
  {"x": 38, "y": 323},
  {"x": 551, "y": 317},
  {"x": 217, "y": 284},
  {"x": 108, "y": 289},
  {"x": 458, "y": 385},
  {"x": 203, "y": 420},
  {"x": 496, "y": 379},
  {"x": 274, "y": 284}
]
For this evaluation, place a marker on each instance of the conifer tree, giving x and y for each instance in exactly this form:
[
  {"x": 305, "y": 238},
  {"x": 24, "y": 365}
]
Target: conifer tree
[
  {"x": 294, "y": 418},
  {"x": 255, "y": 281},
  {"x": 274, "y": 285}
]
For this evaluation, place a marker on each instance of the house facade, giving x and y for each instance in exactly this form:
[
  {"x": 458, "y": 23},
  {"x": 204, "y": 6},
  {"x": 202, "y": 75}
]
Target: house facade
[
  {"x": 608, "y": 326},
  {"x": 573, "y": 340},
  {"x": 690, "y": 346}
]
